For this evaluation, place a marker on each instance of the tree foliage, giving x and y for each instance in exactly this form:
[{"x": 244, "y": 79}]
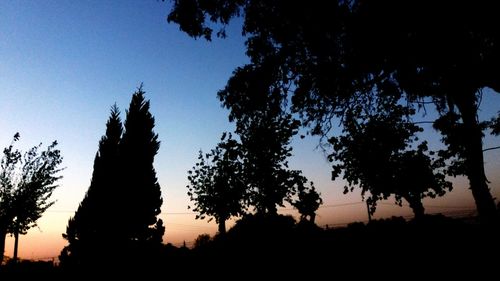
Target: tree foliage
[
  {"x": 119, "y": 211},
  {"x": 379, "y": 152},
  {"x": 307, "y": 202},
  {"x": 265, "y": 128},
  {"x": 90, "y": 229},
  {"x": 265, "y": 142},
  {"x": 494, "y": 125},
  {"x": 27, "y": 181},
  {"x": 326, "y": 56},
  {"x": 217, "y": 184},
  {"x": 140, "y": 193}
]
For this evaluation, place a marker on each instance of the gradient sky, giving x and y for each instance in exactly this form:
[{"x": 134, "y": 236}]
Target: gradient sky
[{"x": 64, "y": 63}]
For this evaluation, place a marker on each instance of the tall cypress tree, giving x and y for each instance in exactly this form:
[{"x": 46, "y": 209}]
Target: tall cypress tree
[
  {"x": 90, "y": 228},
  {"x": 117, "y": 217},
  {"x": 141, "y": 192}
]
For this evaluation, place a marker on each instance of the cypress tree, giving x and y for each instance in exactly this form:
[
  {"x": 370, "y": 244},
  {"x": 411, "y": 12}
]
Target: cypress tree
[
  {"x": 117, "y": 217},
  {"x": 141, "y": 192},
  {"x": 90, "y": 228}
]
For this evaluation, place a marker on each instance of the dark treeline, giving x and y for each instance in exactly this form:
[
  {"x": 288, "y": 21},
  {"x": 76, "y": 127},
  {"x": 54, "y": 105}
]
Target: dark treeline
[{"x": 260, "y": 247}]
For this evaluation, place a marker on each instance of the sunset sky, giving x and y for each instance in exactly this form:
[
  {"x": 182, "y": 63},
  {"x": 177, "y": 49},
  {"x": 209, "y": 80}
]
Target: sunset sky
[{"x": 64, "y": 63}]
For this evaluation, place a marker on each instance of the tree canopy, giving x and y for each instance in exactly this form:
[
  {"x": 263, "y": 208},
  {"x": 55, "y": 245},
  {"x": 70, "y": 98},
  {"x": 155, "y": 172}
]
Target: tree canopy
[
  {"x": 27, "y": 181},
  {"x": 380, "y": 152},
  {"x": 217, "y": 183},
  {"x": 307, "y": 202},
  {"x": 325, "y": 56}
]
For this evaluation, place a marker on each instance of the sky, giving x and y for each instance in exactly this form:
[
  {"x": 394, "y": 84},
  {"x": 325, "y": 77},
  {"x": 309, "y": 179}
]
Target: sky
[{"x": 63, "y": 64}]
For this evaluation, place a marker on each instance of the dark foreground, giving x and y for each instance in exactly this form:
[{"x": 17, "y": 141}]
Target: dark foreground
[{"x": 277, "y": 247}]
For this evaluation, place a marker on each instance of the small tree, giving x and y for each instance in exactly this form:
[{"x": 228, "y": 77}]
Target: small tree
[
  {"x": 202, "y": 241},
  {"x": 27, "y": 182},
  {"x": 217, "y": 185},
  {"x": 308, "y": 201}
]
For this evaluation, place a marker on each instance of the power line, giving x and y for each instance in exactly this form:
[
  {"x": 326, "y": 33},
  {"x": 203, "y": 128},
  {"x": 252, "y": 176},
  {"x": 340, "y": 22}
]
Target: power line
[
  {"x": 190, "y": 225},
  {"x": 491, "y": 148},
  {"x": 429, "y": 206},
  {"x": 341, "y": 205}
]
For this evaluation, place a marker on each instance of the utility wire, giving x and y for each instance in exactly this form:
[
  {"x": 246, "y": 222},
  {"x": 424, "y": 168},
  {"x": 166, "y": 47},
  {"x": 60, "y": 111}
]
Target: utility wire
[
  {"x": 429, "y": 206},
  {"x": 341, "y": 205},
  {"x": 491, "y": 148}
]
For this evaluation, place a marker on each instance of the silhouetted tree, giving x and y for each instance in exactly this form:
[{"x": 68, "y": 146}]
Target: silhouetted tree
[
  {"x": 26, "y": 184},
  {"x": 376, "y": 153},
  {"x": 265, "y": 144},
  {"x": 265, "y": 132},
  {"x": 89, "y": 230},
  {"x": 217, "y": 186},
  {"x": 117, "y": 216},
  {"x": 449, "y": 60},
  {"x": 330, "y": 55},
  {"x": 140, "y": 193},
  {"x": 202, "y": 241},
  {"x": 308, "y": 201},
  {"x": 453, "y": 132}
]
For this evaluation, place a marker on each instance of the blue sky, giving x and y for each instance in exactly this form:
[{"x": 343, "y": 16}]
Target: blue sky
[{"x": 64, "y": 63}]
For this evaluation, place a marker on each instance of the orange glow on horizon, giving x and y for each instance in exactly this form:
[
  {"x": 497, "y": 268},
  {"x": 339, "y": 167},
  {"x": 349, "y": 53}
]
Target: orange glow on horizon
[{"x": 46, "y": 242}]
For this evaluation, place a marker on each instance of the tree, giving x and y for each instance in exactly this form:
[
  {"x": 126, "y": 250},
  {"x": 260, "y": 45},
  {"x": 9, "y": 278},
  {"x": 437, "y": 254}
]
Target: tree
[
  {"x": 27, "y": 182},
  {"x": 140, "y": 193},
  {"x": 449, "y": 60},
  {"x": 265, "y": 132},
  {"x": 90, "y": 230},
  {"x": 202, "y": 241},
  {"x": 265, "y": 144},
  {"x": 118, "y": 213},
  {"x": 265, "y": 128},
  {"x": 308, "y": 201},
  {"x": 217, "y": 186},
  {"x": 328, "y": 56},
  {"x": 377, "y": 153}
]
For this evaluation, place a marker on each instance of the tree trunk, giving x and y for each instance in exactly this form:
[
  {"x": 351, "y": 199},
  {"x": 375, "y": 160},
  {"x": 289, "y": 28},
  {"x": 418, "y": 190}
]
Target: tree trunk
[
  {"x": 272, "y": 211},
  {"x": 16, "y": 243},
  {"x": 222, "y": 227},
  {"x": 312, "y": 217},
  {"x": 3, "y": 235},
  {"x": 416, "y": 206},
  {"x": 474, "y": 159}
]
